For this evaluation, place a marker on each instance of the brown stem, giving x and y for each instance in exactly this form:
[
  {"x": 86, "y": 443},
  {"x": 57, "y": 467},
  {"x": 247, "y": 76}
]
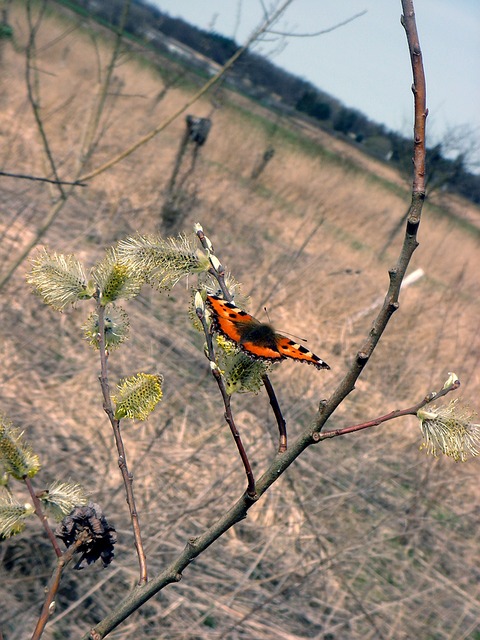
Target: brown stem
[
  {"x": 236, "y": 435},
  {"x": 48, "y": 605},
  {"x": 397, "y": 273},
  {"x": 122, "y": 457},
  {"x": 282, "y": 425},
  {"x": 41, "y": 515},
  {"x": 173, "y": 573},
  {"x": 219, "y": 275},
  {"x": 228, "y": 409},
  {"x": 23, "y": 176},
  {"x": 390, "y": 416},
  {"x": 420, "y": 96}
]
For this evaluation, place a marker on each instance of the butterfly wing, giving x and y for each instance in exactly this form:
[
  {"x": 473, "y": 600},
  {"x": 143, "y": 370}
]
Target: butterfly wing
[
  {"x": 228, "y": 319},
  {"x": 255, "y": 338},
  {"x": 290, "y": 349}
]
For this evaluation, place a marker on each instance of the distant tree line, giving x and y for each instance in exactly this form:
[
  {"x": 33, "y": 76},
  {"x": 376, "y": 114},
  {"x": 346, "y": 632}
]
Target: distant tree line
[{"x": 262, "y": 79}]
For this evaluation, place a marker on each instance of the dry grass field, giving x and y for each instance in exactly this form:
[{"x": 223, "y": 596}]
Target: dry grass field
[{"x": 365, "y": 537}]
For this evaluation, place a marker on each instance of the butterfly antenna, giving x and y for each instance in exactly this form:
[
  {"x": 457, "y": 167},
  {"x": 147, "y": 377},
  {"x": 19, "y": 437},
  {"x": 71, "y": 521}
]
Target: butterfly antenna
[{"x": 285, "y": 333}]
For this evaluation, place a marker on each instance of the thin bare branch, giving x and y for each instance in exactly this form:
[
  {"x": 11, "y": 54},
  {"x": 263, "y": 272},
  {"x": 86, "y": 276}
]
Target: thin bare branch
[
  {"x": 398, "y": 413},
  {"x": 122, "y": 457},
  {"x": 22, "y": 176},
  {"x": 420, "y": 97},
  {"x": 163, "y": 125},
  {"x": 49, "y": 603},
  {"x": 228, "y": 408},
  {"x": 42, "y": 517},
  {"x": 397, "y": 273},
  {"x": 291, "y": 34}
]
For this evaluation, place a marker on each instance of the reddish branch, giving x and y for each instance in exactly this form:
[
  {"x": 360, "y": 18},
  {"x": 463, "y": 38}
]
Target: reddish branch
[
  {"x": 398, "y": 413},
  {"x": 218, "y": 272},
  {"x": 397, "y": 273},
  {"x": 122, "y": 457},
  {"x": 419, "y": 94},
  {"x": 228, "y": 409}
]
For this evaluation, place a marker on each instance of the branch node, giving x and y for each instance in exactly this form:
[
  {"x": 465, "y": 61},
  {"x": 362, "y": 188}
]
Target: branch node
[
  {"x": 392, "y": 273},
  {"x": 321, "y": 406}
]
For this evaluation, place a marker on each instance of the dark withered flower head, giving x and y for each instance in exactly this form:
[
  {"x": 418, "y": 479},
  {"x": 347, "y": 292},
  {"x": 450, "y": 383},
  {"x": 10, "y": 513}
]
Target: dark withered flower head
[{"x": 100, "y": 539}]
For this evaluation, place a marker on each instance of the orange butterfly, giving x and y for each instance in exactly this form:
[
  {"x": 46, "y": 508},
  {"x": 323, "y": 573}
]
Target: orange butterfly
[{"x": 258, "y": 340}]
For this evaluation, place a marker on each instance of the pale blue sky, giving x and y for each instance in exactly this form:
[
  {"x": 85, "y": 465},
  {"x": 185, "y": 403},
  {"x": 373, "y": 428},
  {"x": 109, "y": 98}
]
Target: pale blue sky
[{"x": 365, "y": 64}]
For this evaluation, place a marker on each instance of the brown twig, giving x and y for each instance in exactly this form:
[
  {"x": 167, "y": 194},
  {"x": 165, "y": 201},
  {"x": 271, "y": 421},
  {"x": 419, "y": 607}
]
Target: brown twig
[
  {"x": 22, "y": 176},
  {"x": 193, "y": 548},
  {"x": 419, "y": 95},
  {"x": 41, "y": 515},
  {"x": 122, "y": 457},
  {"x": 218, "y": 272},
  {"x": 163, "y": 125},
  {"x": 282, "y": 425},
  {"x": 228, "y": 409},
  {"x": 49, "y": 603},
  {"x": 398, "y": 413},
  {"x": 397, "y": 273}
]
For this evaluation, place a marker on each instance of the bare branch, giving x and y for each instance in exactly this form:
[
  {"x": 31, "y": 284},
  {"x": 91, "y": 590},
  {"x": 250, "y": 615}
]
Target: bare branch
[
  {"x": 42, "y": 517},
  {"x": 420, "y": 97},
  {"x": 22, "y": 176},
  {"x": 122, "y": 457},
  {"x": 290, "y": 34},
  {"x": 398, "y": 413},
  {"x": 49, "y": 603},
  {"x": 163, "y": 125}
]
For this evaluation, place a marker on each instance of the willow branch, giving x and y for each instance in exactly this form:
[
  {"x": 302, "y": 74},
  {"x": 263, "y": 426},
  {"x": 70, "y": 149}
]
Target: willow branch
[
  {"x": 282, "y": 425},
  {"x": 228, "y": 408},
  {"x": 39, "y": 512},
  {"x": 218, "y": 272},
  {"x": 122, "y": 457},
  {"x": 23, "y": 176},
  {"x": 397, "y": 273},
  {"x": 419, "y": 95},
  {"x": 163, "y": 125},
  {"x": 398, "y": 413},
  {"x": 194, "y": 547},
  {"x": 49, "y": 603}
]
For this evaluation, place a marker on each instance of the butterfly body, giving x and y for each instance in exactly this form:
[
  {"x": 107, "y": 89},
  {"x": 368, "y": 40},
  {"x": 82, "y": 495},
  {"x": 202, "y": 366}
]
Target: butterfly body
[{"x": 256, "y": 339}]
